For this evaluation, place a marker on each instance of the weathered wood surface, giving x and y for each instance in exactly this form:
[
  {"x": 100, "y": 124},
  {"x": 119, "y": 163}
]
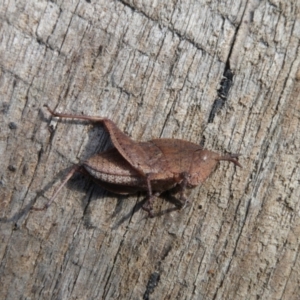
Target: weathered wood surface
[{"x": 155, "y": 69}]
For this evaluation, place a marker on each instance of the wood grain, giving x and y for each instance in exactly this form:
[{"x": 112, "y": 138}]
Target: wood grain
[{"x": 156, "y": 68}]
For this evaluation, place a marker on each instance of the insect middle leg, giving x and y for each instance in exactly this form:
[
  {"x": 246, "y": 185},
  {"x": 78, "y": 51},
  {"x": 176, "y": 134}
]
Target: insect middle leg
[{"x": 148, "y": 206}]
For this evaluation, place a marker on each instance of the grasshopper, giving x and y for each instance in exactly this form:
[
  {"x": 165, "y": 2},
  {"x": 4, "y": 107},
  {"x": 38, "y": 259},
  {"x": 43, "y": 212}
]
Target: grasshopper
[{"x": 154, "y": 167}]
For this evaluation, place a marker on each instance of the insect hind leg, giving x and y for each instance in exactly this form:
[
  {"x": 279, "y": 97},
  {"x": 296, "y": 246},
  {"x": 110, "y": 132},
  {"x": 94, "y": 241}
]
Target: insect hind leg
[{"x": 76, "y": 168}]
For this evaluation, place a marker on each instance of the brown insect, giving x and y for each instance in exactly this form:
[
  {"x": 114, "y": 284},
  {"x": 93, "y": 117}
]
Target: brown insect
[{"x": 154, "y": 166}]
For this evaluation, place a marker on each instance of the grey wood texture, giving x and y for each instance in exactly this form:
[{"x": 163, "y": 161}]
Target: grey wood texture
[{"x": 157, "y": 69}]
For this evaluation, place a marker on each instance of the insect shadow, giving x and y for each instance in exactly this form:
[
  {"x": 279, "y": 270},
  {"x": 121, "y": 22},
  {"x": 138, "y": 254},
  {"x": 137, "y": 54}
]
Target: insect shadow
[
  {"x": 27, "y": 208},
  {"x": 167, "y": 196},
  {"x": 98, "y": 141},
  {"x": 154, "y": 167}
]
